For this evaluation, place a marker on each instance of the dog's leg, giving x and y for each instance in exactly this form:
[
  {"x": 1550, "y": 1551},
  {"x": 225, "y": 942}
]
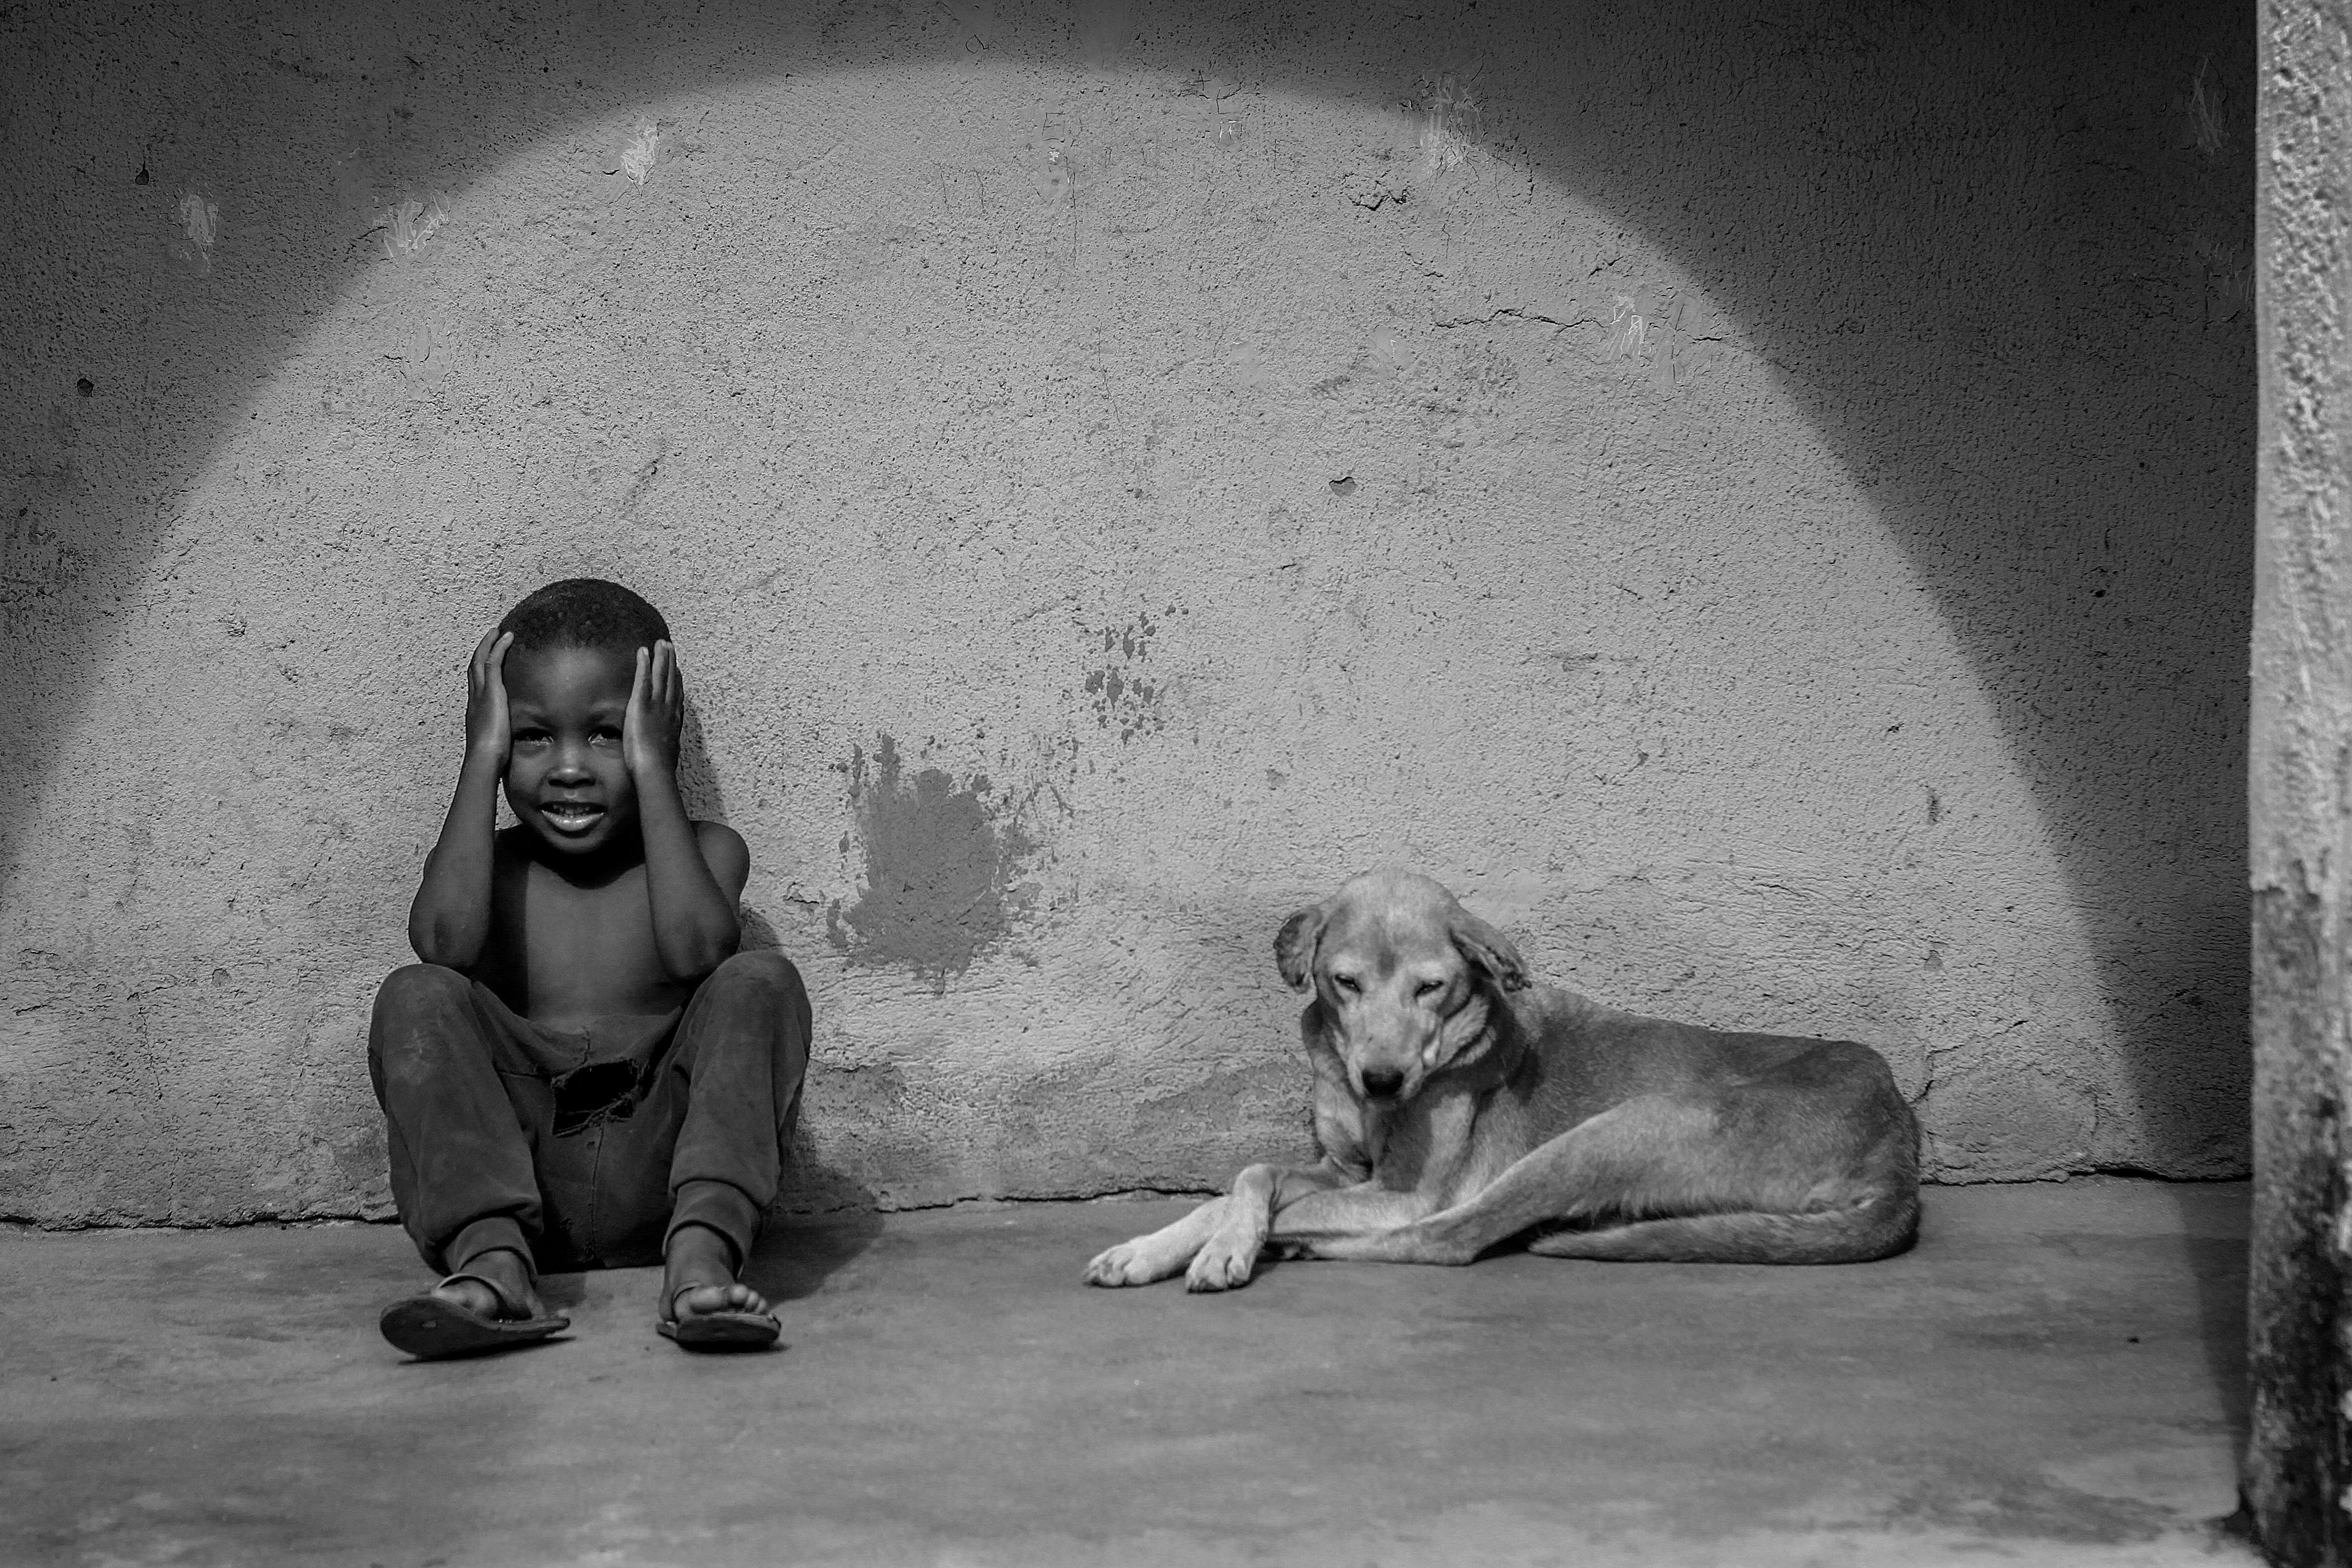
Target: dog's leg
[
  {"x": 1648, "y": 1153},
  {"x": 1230, "y": 1255},
  {"x": 1164, "y": 1252},
  {"x": 1331, "y": 1224},
  {"x": 1220, "y": 1241}
]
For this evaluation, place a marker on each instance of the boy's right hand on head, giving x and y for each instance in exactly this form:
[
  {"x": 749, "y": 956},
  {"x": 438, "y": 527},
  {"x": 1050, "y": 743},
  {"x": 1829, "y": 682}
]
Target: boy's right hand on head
[{"x": 487, "y": 731}]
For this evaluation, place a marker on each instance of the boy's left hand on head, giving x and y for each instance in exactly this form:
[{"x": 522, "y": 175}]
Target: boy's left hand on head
[{"x": 649, "y": 731}]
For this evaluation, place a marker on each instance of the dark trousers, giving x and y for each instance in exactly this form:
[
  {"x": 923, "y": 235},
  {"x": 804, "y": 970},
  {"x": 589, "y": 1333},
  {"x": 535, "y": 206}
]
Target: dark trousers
[{"x": 586, "y": 1148}]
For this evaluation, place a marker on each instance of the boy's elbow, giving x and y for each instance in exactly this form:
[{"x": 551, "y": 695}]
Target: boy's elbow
[
  {"x": 433, "y": 943},
  {"x": 705, "y": 951}
]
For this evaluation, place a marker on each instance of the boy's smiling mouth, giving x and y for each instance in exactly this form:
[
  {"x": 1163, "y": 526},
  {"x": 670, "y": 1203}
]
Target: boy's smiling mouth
[{"x": 572, "y": 816}]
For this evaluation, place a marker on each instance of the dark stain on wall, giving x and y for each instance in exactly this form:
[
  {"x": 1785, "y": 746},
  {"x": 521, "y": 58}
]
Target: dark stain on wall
[
  {"x": 940, "y": 860},
  {"x": 1122, "y": 695}
]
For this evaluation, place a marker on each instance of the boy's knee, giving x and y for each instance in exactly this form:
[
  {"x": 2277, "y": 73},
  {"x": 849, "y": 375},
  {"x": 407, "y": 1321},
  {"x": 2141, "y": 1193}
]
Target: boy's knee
[
  {"x": 764, "y": 969},
  {"x": 415, "y": 989}
]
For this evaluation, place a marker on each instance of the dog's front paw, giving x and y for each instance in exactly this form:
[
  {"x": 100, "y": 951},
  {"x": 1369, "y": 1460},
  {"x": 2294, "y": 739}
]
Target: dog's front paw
[
  {"x": 1225, "y": 1264},
  {"x": 1130, "y": 1263}
]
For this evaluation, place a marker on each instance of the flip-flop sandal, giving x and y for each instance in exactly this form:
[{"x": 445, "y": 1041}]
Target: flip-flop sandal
[
  {"x": 728, "y": 1331},
  {"x": 433, "y": 1327}
]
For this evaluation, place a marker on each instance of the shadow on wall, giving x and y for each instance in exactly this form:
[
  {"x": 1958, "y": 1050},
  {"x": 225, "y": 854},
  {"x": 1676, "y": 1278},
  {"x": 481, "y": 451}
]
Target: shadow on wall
[{"x": 2059, "y": 432}]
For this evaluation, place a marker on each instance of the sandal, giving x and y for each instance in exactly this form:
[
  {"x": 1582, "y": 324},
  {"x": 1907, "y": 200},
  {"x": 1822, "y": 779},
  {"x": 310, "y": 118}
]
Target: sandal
[
  {"x": 733, "y": 1330},
  {"x": 431, "y": 1327}
]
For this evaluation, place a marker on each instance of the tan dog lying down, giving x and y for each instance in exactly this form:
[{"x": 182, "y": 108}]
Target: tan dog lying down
[{"x": 1457, "y": 1109}]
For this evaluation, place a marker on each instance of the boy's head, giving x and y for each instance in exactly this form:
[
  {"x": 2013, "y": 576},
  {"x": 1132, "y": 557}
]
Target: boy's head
[
  {"x": 568, "y": 675},
  {"x": 585, "y": 612}
]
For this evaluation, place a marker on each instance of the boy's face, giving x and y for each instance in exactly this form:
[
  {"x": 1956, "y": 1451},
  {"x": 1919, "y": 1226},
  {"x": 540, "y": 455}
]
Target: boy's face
[{"x": 565, "y": 777}]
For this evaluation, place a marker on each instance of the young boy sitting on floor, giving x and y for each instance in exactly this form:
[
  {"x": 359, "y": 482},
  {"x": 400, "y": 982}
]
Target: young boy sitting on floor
[{"x": 583, "y": 1072}]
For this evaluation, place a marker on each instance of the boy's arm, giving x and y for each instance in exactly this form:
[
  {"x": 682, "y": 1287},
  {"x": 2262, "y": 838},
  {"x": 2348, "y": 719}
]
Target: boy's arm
[
  {"x": 450, "y": 919},
  {"x": 695, "y": 928}
]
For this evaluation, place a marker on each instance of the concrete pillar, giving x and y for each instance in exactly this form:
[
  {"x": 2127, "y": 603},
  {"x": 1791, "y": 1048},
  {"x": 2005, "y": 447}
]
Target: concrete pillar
[{"x": 2300, "y": 781}]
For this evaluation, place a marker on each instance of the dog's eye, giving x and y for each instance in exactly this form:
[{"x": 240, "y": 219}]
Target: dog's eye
[
  {"x": 1429, "y": 988},
  {"x": 1346, "y": 982}
]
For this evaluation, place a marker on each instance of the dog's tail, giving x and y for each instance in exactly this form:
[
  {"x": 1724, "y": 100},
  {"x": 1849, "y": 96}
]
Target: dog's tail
[{"x": 1877, "y": 1227}]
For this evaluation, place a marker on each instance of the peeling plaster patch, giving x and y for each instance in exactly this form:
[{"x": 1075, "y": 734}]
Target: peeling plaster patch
[
  {"x": 643, "y": 149},
  {"x": 940, "y": 866},
  {"x": 200, "y": 230},
  {"x": 1119, "y": 693},
  {"x": 406, "y": 226},
  {"x": 1389, "y": 357},
  {"x": 1373, "y": 192},
  {"x": 2002, "y": 1118}
]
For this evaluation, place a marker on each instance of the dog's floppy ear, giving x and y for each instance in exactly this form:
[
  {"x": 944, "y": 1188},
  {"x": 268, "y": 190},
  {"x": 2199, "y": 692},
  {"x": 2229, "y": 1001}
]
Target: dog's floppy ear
[
  {"x": 1490, "y": 950},
  {"x": 1294, "y": 946}
]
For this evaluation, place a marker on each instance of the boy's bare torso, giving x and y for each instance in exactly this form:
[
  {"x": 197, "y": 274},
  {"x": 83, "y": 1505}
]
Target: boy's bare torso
[{"x": 567, "y": 946}]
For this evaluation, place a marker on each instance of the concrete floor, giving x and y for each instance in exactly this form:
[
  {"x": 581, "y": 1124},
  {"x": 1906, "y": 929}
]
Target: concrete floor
[{"x": 2054, "y": 1376}]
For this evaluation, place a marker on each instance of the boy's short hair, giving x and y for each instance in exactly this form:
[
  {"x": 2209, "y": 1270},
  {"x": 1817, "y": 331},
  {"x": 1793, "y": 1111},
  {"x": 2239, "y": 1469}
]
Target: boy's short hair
[{"x": 585, "y": 612}]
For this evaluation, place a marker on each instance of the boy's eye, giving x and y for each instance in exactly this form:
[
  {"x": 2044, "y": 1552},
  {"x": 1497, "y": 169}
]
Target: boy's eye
[
  {"x": 530, "y": 737},
  {"x": 605, "y": 733}
]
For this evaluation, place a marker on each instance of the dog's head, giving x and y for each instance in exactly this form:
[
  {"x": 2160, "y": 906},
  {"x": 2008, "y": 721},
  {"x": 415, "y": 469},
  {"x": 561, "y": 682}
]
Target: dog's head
[{"x": 1403, "y": 972}]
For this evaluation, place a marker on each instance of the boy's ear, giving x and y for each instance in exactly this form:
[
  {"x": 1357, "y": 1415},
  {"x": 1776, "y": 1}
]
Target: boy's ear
[
  {"x": 1489, "y": 950},
  {"x": 1294, "y": 946}
]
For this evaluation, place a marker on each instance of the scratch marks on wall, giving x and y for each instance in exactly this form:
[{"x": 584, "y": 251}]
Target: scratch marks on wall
[
  {"x": 1657, "y": 329},
  {"x": 941, "y": 863},
  {"x": 1211, "y": 107},
  {"x": 2205, "y": 107},
  {"x": 1430, "y": 136},
  {"x": 2229, "y": 268},
  {"x": 1053, "y": 163},
  {"x": 1449, "y": 119},
  {"x": 196, "y": 224},
  {"x": 640, "y": 153},
  {"x": 405, "y": 226},
  {"x": 1629, "y": 328}
]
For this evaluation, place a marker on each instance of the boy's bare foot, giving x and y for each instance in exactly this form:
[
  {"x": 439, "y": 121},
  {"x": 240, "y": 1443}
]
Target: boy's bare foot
[
  {"x": 704, "y": 1307},
  {"x": 489, "y": 1304}
]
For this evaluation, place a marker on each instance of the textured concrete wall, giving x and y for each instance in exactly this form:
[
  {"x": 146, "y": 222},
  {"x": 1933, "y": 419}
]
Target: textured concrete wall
[
  {"x": 1753, "y": 496},
  {"x": 2300, "y": 784}
]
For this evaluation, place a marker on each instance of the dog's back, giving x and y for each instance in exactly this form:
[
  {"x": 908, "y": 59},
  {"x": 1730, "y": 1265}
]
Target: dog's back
[{"x": 1809, "y": 1142}]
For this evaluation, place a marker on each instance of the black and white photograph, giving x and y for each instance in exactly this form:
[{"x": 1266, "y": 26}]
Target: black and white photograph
[{"x": 1133, "y": 784}]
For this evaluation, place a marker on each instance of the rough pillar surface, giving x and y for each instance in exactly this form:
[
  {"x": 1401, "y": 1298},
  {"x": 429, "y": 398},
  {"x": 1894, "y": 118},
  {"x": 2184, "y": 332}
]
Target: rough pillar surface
[{"x": 2300, "y": 773}]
